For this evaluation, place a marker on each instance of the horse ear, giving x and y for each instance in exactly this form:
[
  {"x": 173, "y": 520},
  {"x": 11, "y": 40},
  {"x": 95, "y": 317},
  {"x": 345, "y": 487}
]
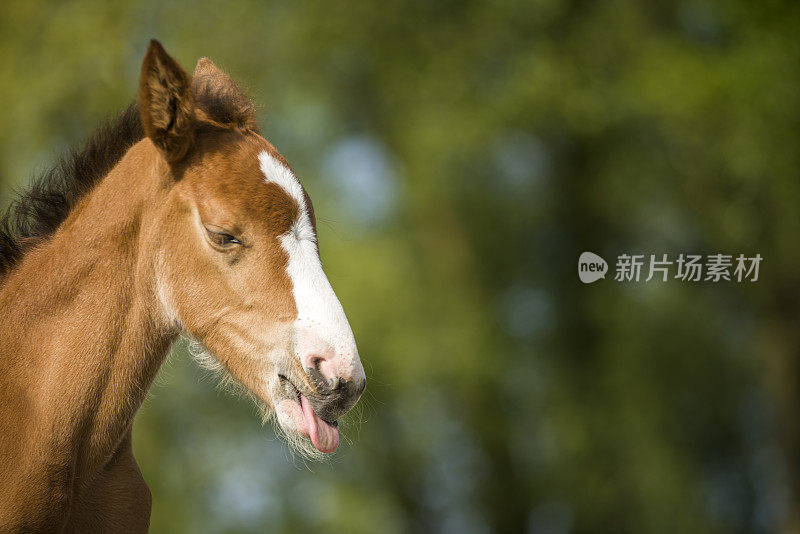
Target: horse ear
[
  {"x": 166, "y": 103},
  {"x": 219, "y": 97},
  {"x": 206, "y": 67}
]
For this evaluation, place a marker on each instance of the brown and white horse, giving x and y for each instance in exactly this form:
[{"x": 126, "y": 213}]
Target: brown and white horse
[{"x": 177, "y": 217}]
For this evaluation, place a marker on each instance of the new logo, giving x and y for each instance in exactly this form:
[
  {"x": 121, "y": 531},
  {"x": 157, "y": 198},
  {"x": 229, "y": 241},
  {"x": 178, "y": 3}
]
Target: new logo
[{"x": 591, "y": 267}]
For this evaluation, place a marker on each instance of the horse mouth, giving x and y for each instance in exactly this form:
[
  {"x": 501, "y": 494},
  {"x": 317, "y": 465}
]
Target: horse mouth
[{"x": 324, "y": 435}]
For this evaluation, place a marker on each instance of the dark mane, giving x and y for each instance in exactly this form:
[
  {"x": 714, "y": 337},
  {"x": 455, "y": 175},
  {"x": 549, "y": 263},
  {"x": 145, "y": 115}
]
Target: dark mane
[{"x": 45, "y": 204}]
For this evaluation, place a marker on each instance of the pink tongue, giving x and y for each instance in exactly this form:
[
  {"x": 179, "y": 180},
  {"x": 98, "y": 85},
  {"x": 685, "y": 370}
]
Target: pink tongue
[{"x": 324, "y": 436}]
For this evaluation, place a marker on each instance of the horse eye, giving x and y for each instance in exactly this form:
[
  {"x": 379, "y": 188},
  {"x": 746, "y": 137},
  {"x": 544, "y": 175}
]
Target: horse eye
[{"x": 222, "y": 239}]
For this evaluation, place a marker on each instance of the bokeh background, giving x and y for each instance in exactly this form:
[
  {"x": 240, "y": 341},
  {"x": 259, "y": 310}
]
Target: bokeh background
[{"x": 461, "y": 155}]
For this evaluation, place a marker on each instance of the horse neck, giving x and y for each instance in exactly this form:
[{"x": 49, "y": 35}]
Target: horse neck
[{"x": 84, "y": 332}]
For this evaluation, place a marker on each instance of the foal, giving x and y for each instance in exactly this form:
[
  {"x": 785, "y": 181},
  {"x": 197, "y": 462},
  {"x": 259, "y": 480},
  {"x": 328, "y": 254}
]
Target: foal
[{"x": 178, "y": 217}]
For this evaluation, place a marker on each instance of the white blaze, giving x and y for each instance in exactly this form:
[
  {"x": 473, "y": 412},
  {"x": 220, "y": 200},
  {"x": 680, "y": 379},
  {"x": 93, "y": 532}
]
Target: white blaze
[{"x": 321, "y": 326}]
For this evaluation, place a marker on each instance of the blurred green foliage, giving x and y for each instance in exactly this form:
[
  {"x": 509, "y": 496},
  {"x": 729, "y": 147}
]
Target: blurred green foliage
[{"x": 461, "y": 155}]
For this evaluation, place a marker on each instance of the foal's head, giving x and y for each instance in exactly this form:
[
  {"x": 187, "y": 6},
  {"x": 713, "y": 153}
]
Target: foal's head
[{"x": 237, "y": 258}]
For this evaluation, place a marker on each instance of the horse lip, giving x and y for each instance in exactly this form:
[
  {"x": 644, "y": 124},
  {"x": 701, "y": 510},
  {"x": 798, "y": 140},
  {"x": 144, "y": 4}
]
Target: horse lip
[
  {"x": 295, "y": 393},
  {"x": 328, "y": 405},
  {"x": 323, "y": 387},
  {"x": 288, "y": 388}
]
